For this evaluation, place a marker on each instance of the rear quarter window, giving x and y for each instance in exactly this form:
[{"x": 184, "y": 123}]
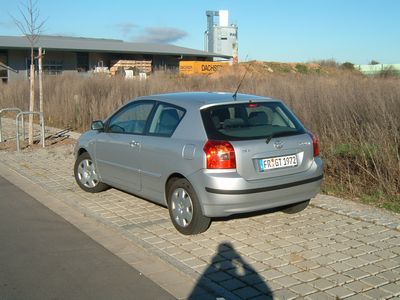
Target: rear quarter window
[
  {"x": 165, "y": 120},
  {"x": 245, "y": 121}
]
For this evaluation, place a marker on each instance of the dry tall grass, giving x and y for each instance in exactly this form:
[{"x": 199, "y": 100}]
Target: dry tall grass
[{"x": 356, "y": 118}]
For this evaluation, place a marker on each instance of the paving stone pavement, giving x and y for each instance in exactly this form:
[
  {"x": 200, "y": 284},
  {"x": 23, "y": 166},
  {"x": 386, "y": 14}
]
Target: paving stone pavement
[{"x": 335, "y": 249}]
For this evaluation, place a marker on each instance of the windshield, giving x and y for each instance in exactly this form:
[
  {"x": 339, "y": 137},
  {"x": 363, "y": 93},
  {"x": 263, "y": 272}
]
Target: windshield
[{"x": 245, "y": 121}]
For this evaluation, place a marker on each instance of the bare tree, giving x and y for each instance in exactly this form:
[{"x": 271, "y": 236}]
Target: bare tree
[{"x": 31, "y": 26}]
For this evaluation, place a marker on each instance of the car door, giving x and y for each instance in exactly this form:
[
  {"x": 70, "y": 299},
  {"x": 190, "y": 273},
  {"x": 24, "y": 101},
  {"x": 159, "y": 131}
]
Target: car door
[
  {"x": 118, "y": 148},
  {"x": 159, "y": 148}
]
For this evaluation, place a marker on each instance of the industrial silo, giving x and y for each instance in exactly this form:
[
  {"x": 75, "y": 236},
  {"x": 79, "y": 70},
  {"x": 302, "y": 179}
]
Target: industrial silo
[{"x": 221, "y": 37}]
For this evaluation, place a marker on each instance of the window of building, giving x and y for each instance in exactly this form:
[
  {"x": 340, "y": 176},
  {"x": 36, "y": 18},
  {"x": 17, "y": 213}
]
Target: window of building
[
  {"x": 52, "y": 67},
  {"x": 3, "y": 67},
  {"x": 49, "y": 67},
  {"x": 82, "y": 61}
]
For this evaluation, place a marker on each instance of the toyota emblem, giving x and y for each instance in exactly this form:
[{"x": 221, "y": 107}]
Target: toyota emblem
[{"x": 278, "y": 144}]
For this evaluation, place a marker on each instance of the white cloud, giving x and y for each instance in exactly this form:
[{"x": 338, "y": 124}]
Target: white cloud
[{"x": 161, "y": 35}]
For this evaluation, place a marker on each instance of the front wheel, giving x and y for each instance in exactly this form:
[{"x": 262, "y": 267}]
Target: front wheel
[
  {"x": 184, "y": 208},
  {"x": 86, "y": 175}
]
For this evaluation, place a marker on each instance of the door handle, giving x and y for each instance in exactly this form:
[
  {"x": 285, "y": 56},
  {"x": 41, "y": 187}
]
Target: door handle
[{"x": 134, "y": 144}]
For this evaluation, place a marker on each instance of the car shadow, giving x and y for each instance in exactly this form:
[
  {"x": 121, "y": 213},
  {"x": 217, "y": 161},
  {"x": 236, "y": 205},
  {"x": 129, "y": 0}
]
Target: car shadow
[{"x": 229, "y": 276}]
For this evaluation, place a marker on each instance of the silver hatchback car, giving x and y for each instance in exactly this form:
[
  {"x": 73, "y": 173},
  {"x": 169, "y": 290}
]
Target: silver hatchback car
[{"x": 203, "y": 155}]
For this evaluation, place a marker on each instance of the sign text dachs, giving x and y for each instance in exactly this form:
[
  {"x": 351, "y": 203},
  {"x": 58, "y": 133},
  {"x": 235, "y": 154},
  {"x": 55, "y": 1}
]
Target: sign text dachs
[
  {"x": 211, "y": 68},
  {"x": 201, "y": 67}
]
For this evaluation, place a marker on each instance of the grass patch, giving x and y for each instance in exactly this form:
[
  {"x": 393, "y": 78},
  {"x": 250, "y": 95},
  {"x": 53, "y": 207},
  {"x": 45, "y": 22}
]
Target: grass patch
[
  {"x": 382, "y": 200},
  {"x": 302, "y": 69}
]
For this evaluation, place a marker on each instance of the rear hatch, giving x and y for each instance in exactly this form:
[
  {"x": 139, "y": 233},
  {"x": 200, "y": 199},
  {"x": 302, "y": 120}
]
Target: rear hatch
[{"x": 269, "y": 141}]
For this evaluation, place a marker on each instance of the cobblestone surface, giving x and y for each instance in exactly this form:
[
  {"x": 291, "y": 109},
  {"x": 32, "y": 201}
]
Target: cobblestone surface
[{"x": 333, "y": 249}]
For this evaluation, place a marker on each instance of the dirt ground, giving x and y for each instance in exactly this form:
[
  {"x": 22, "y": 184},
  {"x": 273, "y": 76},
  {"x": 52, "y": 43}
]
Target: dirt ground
[{"x": 51, "y": 141}]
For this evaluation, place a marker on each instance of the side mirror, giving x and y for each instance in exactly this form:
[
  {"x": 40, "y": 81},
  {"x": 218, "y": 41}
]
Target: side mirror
[{"x": 97, "y": 125}]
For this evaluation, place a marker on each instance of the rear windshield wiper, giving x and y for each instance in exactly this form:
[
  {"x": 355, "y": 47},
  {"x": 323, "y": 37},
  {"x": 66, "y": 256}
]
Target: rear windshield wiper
[{"x": 280, "y": 133}]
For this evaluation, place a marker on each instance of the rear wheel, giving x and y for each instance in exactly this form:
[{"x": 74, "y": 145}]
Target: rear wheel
[
  {"x": 297, "y": 207},
  {"x": 184, "y": 208},
  {"x": 86, "y": 175}
]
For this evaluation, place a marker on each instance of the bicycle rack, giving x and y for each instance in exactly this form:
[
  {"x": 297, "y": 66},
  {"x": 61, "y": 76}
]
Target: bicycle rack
[
  {"x": 22, "y": 114},
  {"x": 14, "y": 109}
]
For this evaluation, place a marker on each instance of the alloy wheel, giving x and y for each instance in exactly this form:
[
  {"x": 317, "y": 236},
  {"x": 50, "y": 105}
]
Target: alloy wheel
[
  {"x": 87, "y": 174},
  {"x": 182, "y": 207}
]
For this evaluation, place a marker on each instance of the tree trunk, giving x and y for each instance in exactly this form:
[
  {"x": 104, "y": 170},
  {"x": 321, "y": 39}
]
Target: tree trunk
[
  {"x": 31, "y": 104},
  {"x": 31, "y": 98}
]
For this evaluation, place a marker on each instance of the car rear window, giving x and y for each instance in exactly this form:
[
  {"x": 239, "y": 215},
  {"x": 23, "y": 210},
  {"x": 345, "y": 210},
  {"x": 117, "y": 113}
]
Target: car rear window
[{"x": 252, "y": 120}]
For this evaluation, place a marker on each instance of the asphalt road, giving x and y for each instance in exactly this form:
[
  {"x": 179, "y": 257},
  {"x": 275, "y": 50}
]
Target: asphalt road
[{"x": 44, "y": 257}]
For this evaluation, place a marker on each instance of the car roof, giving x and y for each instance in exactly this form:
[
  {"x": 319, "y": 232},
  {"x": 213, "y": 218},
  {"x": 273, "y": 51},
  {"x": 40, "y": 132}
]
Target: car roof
[{"x": 203, "y": 99}]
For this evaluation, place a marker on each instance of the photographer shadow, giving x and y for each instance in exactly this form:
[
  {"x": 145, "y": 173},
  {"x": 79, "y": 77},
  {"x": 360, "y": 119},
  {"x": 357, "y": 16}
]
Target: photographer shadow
[{"x": 229, "y": 276}]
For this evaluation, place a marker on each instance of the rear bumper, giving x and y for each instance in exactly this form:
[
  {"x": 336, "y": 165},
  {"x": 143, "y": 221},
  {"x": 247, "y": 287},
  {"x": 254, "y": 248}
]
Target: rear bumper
[
  {"x": 226, "y": 193},
  {"x": 264, "y": 189}
]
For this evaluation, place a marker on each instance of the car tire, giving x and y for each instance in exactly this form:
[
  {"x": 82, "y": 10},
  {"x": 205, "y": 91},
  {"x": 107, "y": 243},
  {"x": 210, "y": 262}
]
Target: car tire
[
  {"x": 184, "y": 208},
  {"x": 297, "y": 207},
  {"x": 86, "y": 175}
]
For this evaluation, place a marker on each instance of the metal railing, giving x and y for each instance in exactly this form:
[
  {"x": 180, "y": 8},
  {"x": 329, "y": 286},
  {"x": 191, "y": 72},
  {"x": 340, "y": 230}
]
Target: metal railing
[
  {"x": 13, "y": 109},
  {"x": 21, "y": 115}
]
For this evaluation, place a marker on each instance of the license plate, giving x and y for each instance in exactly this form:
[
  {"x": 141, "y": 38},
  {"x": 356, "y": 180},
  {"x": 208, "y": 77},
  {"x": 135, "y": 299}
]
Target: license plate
[{"x": 278, "y": 162}]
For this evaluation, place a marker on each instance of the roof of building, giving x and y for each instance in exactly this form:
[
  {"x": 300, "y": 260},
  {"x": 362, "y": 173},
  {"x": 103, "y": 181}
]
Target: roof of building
[{"x": 64, "y": 43}]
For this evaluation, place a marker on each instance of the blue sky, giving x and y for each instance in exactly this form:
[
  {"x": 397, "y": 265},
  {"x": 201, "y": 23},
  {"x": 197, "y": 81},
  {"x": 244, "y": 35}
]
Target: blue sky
[{"x": 282, "y": 30}]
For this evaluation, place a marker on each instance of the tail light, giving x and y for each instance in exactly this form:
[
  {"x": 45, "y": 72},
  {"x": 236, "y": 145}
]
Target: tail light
[
  {"x": 315, "y": 144},
  {"x": 220, "y": 155}
]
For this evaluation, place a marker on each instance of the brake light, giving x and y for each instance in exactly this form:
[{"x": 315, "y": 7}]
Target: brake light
[
  {"x": 315, "y": 144},
  {"x": 220, "y": 155},
  {"x": 252, "y": 105}
]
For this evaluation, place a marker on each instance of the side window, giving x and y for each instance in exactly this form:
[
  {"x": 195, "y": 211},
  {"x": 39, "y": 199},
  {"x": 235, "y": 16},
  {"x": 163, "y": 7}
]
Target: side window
[
  {"x": 166, "y": 119},
  {"x": 131, "y": 119}
]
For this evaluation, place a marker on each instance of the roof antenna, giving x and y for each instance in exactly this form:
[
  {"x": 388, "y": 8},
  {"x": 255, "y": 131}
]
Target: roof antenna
[{"x": 241, "y": 80}]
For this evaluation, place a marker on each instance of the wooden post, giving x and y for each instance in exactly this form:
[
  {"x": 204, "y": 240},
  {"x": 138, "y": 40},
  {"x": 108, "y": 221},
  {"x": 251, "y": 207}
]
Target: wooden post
[{"x": 40, "y": 81}]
